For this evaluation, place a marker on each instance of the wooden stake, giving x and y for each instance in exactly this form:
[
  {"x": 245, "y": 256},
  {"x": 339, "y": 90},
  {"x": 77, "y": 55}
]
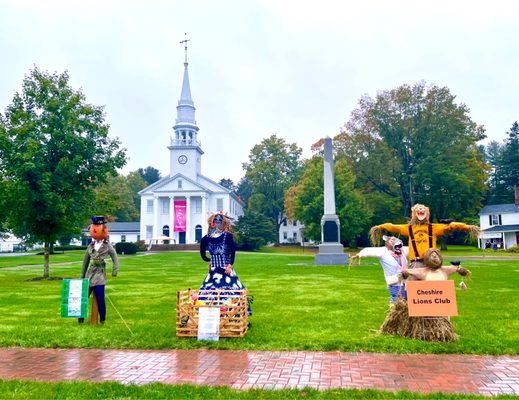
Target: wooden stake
[{"x": 95, "y": 311}]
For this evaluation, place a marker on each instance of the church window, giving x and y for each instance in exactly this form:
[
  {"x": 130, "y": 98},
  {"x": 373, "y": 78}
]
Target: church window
[
  {"x": 219, "y": 204},
  {"x": 149, "y": 231},
  {"x": 179, "y": 184},
  {"x": 197, "y": 205},
  {"x": 149, "y": 206},
  {"x": 294, "y": 235},
  {"x": 295, "y": 223},
  {"x": 285, "y": 223},
  {"x": 164, "y": 206}
]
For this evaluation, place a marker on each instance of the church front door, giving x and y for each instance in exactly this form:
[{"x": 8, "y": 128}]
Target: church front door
[{"x": 182, "y": 237}]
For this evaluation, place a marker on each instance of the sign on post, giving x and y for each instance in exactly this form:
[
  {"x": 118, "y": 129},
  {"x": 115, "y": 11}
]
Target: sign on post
[
  {"x": 74, "y": 298},
  {"x": 208, "y": 323},
  {"x": 431, "y": 298}
]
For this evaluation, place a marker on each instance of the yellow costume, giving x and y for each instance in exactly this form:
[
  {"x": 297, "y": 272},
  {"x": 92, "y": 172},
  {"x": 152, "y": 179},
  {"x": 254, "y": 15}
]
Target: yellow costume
[{"x": 422, "y": 234}]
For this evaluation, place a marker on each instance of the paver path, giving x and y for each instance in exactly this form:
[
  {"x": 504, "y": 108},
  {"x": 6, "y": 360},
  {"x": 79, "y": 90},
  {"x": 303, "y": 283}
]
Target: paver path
[{"x": 425, "y": 373}]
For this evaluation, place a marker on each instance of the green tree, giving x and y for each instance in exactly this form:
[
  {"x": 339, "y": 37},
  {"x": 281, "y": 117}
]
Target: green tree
[
  {"x": 228, "y": 184},
  {"x": 511, "y": 158},
  {"x": 54, "y": 150},
  {"x": 149, "y": 174},
  {"x": 415, "y": 144},
  {"x": 136, "y": 183},
  {"x": 305, "y": 201},
  {"x": 273, "y": 167},
  {"x": 497, "y": 189},
  {"x": 115, "y": 198},
  {"x": 244, "y": 190},
  {"x": 254, "y": 230}
]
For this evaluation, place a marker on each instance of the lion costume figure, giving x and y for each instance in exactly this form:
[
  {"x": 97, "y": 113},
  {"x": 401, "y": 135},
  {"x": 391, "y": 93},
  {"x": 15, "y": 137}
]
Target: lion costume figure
[{"x": 421, "y": 232}]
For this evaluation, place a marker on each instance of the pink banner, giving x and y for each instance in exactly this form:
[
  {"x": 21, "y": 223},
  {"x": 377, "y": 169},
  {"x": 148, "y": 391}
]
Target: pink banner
[{"x": 180, "y": 215}]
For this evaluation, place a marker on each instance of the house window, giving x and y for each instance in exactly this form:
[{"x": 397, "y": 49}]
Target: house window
[
  {"x": 149, "y": 231},
  {"x": 219, "y": 204},
  {"x": 495, "y": 219},
  {"x": 123, "y": 238},
  {"x": 295, "y": 223},
  {"x": 285, "y": 235},
  {"x": 285, "y": 222},
  {"x": 138, "y": 237},
  {"x": 294, "y": 235},
  {"x": 164, "y": 206},
  {"x": 149, "y": 206},
  {"x": 179, "y": 184}
]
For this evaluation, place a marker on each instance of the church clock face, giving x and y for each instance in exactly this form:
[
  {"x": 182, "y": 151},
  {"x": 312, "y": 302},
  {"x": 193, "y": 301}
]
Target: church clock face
[{"x": 182, "y": 159}]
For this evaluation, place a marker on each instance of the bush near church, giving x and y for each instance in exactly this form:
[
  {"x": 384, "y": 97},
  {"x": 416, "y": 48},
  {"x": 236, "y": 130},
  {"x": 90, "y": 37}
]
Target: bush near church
[{"x": 126, "y": 248}]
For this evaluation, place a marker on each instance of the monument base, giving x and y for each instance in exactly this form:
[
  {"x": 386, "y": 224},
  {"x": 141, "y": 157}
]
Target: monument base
[{"x": 331, "y": 254}]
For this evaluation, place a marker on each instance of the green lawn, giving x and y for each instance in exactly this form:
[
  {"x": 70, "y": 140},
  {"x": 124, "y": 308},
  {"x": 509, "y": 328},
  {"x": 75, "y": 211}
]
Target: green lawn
[
  {"x": 86, "y": 390},
  {"x": 297, "y": 306}
]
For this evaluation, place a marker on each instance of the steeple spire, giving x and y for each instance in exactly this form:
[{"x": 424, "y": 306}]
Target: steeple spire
[{"x": 185, "y": 150}]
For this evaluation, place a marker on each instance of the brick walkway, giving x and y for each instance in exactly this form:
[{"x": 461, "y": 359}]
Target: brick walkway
[{"x": 484, "y": 375}]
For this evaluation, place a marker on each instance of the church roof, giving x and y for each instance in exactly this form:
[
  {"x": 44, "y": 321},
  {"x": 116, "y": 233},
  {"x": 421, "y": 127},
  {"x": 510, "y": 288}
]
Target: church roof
[{"x": 201, "y": 184}]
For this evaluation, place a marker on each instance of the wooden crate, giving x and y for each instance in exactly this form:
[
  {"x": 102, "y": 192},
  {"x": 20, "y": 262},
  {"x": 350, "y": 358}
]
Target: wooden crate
[{"x": 234, "y": 315}]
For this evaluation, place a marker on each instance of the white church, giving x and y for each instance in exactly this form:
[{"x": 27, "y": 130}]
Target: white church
[{"x": 175, "y": 209}]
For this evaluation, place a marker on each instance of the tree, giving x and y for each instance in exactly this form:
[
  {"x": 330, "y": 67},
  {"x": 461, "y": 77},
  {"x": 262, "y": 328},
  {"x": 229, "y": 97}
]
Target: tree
[
  {"x": 54, "y": 150},
  {"x": 136, "y": 184},
  {"x": 415, "y": 144},
  {"x": 228, "y": 184},
  {"x": 511, "y": 158},
  {"x": 254, "y": 230},
  {"x": 115, "y": 198},
  {"x": 273, "y": 167},
  {"x": 305, "y": 201},
  {"x": 149, "y": 174},
  {"x": 244, "y": 190},
  {"x": 497, "y": 190}
]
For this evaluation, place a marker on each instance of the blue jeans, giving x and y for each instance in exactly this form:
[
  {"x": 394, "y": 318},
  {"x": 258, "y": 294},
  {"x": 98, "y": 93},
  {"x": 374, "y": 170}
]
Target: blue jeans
[{"x": 393, "y": 291}]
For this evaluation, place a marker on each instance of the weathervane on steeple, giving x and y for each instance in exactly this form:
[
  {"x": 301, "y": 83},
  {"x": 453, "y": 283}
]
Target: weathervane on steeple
[{"x": 185, "y": 45}]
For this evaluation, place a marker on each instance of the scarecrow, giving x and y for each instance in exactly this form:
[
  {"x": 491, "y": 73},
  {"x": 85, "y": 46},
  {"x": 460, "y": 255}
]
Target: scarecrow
[
  {"x": 435, "y": 329},
  {"x": 94, "y": 265},
  {"x": 422, "y": 233},
  {"x": 393, "y": 261},
  {"x": 219, "y": 241}
]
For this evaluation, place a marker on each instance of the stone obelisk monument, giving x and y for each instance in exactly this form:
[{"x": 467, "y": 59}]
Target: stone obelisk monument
[{"x": 331, "y": 251}]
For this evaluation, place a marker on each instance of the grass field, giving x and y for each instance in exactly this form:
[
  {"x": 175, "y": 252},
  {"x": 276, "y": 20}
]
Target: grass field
[{"x": 297, "y": 306}]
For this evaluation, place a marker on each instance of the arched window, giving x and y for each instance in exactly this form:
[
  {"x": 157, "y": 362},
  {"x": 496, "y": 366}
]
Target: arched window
[{"x": 165, "y": 230}]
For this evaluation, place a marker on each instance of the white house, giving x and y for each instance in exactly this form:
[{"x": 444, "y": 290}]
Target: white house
[
  {"x": 177, "y": 205},
  {"x": 291, "y": 232},
  {"x": 118, "y": 231},
  {"x": 500, "y": 224}
]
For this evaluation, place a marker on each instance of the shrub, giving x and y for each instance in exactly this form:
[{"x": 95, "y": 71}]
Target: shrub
[
  {"x": 69, "y": 247},
  {"x": 513, "y": 249},
  {"x": 126, "y": 248}
]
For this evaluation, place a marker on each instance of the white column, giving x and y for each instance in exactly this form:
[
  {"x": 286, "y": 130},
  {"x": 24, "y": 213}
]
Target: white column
[
  {"x": 188, "y": 220},
  {"x": 171, "y": 215},
  {"x": 155, "y": 216},
  {"x": 204, "y": 215}
]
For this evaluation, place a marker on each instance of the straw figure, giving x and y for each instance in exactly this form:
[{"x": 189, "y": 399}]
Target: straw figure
[
  {"x": 94, "y": 265},
  {"x": 435, "y": 329},
  {"x": 393, "y": 261},
  {"x": 422, "y": 233}
]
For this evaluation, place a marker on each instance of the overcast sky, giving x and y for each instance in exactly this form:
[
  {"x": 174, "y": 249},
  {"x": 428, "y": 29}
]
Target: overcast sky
[{"x": 293, "y": 68}]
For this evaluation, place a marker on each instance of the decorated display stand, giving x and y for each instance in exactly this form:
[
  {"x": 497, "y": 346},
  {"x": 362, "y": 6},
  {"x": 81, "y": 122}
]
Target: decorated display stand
[{"x": 232, "y": 304}]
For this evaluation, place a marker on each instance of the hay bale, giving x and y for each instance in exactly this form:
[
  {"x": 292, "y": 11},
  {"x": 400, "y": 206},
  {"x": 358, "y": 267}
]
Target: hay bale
[{"x": 431, "y": 329}]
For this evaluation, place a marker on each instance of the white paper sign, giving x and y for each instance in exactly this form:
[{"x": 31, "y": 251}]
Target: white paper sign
[
  {"x": 75, "y": 291},
  {"x": 208, "y": 323}
]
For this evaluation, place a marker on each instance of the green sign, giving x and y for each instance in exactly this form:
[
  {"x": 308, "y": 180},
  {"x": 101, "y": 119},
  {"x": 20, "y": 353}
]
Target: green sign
[{"x": 74, "y": 298}]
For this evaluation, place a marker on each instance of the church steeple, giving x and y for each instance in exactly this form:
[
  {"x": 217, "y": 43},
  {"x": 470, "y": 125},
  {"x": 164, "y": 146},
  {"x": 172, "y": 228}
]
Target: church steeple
[{"x": 185, "y": 139}]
